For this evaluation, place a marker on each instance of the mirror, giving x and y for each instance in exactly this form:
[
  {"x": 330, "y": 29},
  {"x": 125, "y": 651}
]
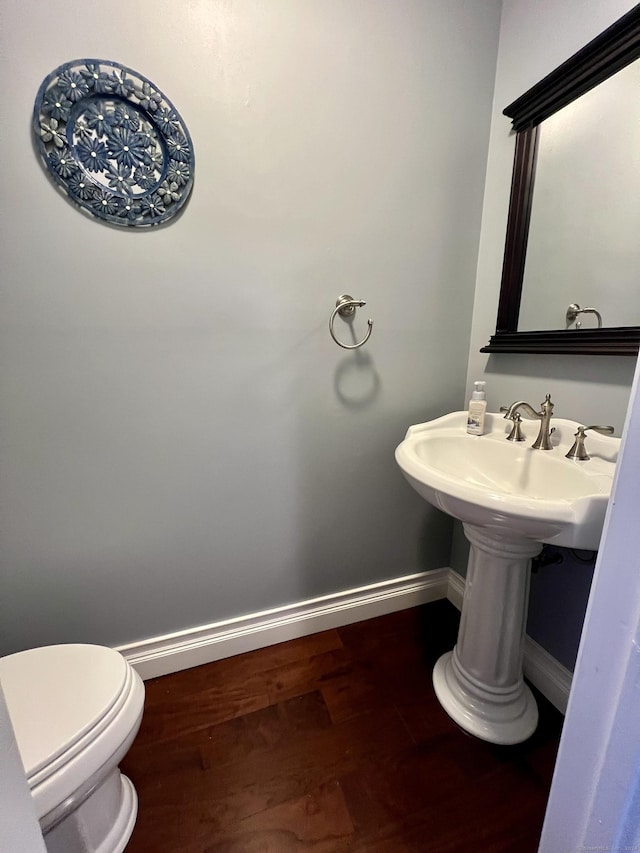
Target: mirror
[
  {"x": 572, "y": 255},
  {"x": 584, "y": 242}
]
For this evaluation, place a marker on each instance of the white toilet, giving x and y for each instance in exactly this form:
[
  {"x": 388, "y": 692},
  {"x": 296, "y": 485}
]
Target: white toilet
[{"x": 76, "y": 710}]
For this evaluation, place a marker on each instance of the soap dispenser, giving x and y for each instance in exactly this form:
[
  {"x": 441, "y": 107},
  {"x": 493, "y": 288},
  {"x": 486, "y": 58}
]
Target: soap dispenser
[{"x": 477, "y": 409}]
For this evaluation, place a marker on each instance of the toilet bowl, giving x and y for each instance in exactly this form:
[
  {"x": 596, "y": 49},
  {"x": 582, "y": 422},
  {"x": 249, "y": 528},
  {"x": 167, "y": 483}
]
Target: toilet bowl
[{"x": 75, "y": 710}]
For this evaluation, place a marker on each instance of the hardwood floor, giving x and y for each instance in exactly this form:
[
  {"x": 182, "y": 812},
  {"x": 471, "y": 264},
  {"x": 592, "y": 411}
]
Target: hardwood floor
[{"x": 331, "y": 743}]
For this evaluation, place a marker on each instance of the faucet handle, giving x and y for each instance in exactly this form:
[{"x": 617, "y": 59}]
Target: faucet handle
[
  {"x": 506, "y": 411},
  {"x": 578, "y": 450},
  {"x": 603, "y": 430},
  {"x": 516, "y": 429}
]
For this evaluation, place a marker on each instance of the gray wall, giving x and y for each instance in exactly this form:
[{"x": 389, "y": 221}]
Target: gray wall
[
  {"x": 181, "y": 440},
  {"x": 558, "y": 602},
  {"x": 534, "y": 39}
]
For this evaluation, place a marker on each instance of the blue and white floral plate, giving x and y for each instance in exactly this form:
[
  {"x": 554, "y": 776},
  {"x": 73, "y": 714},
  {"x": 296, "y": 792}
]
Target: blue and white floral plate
[{"x": 114, "y": 143}]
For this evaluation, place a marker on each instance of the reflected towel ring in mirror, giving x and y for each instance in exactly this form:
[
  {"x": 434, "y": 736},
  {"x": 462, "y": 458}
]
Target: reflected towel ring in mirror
[
  {"x": 574, "y": 310},
  {"x": 346, "y": 306},
  {"x": 114, "y": 144}
]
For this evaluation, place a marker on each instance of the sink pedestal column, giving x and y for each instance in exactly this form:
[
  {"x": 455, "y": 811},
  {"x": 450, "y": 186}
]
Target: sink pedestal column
[{"x": 479, "y": 683}]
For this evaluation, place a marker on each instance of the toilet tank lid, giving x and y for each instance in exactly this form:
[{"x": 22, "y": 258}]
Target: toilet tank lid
[{"x": 56, "y": 694}]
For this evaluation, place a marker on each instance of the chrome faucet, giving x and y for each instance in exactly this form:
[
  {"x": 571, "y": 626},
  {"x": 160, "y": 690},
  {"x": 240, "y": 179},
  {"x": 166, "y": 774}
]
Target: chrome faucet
[{"x": 543, "y": 441}]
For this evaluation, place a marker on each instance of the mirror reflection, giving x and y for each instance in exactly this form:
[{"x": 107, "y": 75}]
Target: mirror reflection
[{"x": 583, "y": 251}]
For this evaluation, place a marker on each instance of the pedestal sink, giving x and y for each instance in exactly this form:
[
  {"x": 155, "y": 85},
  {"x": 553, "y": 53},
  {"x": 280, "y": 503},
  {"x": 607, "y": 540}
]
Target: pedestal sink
[{"x": 511, "y": 499}]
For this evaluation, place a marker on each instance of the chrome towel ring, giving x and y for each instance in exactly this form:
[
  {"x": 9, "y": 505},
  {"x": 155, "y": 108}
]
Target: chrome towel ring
[
  {"x": 574, "y": 310},
  {"x": 346, "y": 307}
]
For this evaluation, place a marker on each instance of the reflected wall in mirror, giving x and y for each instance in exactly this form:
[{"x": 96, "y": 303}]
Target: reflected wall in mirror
[
  {"x": 573, "y": 245},
  {"x": 584, "y": 242}
]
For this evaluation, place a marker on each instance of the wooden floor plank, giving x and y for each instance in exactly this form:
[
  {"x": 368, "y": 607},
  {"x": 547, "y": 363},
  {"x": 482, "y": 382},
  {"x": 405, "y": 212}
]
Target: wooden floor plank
[
  {"x": 500, "y": 815},
  {"x": 210, "y": 694},
  {"x": 238, "y": 740},
  {"x": 200, "y": 796},
  {"x": 319, "y": 821}
]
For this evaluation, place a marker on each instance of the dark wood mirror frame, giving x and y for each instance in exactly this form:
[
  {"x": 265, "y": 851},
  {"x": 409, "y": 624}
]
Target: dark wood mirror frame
[{"x": 616, "y": 47}]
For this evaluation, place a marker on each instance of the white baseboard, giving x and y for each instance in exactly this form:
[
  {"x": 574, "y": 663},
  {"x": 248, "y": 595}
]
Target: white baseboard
[
  {"x": 195, "y": 646},
  {"x": 455, "y": 589},
  {"x": 551, "y": 678}
]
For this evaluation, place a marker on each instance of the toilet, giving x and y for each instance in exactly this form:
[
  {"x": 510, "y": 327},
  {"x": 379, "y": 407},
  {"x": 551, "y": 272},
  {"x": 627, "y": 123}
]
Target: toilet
[{"x": 75, "y": 710}]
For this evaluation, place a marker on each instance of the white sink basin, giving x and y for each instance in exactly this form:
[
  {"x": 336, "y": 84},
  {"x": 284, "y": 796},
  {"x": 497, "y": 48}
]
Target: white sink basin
[{"x": 507, "y": 486}]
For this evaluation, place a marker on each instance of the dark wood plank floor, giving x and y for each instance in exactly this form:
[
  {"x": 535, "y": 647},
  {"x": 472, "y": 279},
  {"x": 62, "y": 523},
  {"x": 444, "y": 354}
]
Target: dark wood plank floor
[{"x": 334, "y": 742}]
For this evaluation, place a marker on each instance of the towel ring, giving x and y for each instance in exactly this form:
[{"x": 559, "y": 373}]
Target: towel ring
[
  {"x": 574, "y": 310},
  {"x": 346, "y": 306}
]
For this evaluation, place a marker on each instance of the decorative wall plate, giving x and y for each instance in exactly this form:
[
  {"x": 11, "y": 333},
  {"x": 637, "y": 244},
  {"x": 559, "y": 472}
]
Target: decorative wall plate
[{"x": 114, "y": 143}]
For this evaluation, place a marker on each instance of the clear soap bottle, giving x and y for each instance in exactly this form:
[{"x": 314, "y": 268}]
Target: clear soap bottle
[{"x": 477, "y": 410}]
